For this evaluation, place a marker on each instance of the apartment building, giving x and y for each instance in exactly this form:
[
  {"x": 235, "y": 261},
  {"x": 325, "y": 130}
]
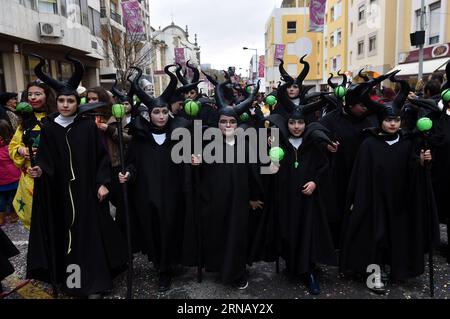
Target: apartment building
[
  {"x": 49, "y": 28},
  {"x": 288, "y": 26}
]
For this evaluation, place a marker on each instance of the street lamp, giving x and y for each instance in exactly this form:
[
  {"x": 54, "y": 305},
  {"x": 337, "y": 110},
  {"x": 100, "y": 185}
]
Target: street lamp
[{"x": 256, "y": 62}]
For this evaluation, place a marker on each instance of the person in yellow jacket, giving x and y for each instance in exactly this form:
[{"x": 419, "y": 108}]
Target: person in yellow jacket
[{"x": 42, "y": 100}]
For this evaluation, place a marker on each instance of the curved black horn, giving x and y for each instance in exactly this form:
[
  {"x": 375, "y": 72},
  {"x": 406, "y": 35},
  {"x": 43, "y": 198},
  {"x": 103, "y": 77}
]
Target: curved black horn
[
  {"x": 76, "y": 77},
  {"x": 305, "y": 70},
  {"x": 144, "y": 97},
  {"x": 211, "y": 79},
  {"x": 344, "y": 78},
  {"x": 180, "y": 77},
  {"x": 54, "y": 84},
  {"x": 132, "y": 91},
  {"x": 402, "y": 95},
  {"x": 116, "y": 92},
  {"x": 330, "y": 83},
  {"x": 220, "y": 98},
  {"x": 284, "y": 75},
  {"x": 170, "y": 89},
  {"x": 363, "y": 76},
  {"x": 371, "y": 104},
  {"x": 314, "y": 106},
  {"x": 446, "y": 85},
  {"x": 196, "y": 76},
  {"x": 304, "y": 91}
]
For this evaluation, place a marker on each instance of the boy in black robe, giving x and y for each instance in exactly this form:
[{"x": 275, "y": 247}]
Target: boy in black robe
[{"x": 74, "y": 242}]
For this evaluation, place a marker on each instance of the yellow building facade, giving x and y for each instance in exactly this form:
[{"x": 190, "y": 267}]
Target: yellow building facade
[
  {"x": 288, "y": 25},
  {"x": 336, "y": 36}
]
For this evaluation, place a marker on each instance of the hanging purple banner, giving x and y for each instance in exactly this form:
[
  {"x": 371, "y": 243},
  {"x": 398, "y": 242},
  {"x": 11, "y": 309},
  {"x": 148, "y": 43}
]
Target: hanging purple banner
[
  {"x": 261, "y": 66},
  {"x": 132, "y": 18},
  {"x": 317, "y": 15},
  {"x": 279, "y": 53},
  {"x": 179, "y": 56}
]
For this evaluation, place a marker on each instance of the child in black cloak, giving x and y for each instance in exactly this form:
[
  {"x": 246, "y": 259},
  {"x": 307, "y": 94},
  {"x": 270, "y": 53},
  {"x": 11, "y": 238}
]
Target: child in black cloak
[
  {"x": 156, "y": 184},
  {"x": 346, "y": 124},
  {"x": 74, "y": 241},
  {"x": 227, "y": 188},
  {"x": 304, "y": 236},
  {"x": 388, "y": 221}
]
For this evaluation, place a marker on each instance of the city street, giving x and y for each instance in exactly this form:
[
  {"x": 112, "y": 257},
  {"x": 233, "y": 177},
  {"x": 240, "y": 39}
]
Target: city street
[{"x": 264, "y": 283}]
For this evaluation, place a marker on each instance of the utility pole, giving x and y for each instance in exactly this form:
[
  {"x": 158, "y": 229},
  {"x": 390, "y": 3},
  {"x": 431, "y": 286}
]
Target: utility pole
[{"x": 422, "y": 28}]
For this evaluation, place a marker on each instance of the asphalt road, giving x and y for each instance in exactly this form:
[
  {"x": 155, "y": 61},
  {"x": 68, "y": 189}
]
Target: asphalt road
[{"x": 264, "y": 282}]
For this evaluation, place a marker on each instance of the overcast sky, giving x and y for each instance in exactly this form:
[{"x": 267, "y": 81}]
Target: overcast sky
[{"x": 223, "y": 27}]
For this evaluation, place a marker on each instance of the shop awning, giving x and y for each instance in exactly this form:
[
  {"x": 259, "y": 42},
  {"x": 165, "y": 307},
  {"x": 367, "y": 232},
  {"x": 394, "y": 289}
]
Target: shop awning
[{"x": 429, "y": 67}]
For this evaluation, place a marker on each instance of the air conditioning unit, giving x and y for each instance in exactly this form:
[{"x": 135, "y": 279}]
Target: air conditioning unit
[{"x": 49, "y": 30}]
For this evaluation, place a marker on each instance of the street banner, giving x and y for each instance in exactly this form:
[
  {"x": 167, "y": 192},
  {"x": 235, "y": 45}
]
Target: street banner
[
  {"x": 261, "y": 66},
  {"x": 317, "y": 15},
  {"x": 279, "y": 53},
  {"x": 132, "y": 18},
  {"x": 179, "y": 56}
]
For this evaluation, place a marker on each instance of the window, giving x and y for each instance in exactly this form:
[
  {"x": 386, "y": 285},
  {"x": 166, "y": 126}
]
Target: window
[
  {"x": 292, "y": 27},
  {"x": 48, "y": 6},
  {"x": 362, "y": 13},
  {"x": 332, "y": 41},
  {"x": 338, "y": 10},
  {"x": 332, "y": 14},
  {"x": 30, "y": 64},
  {"x": 339, "y": 37},
  {"x": 435, "y": 22},
  {"x": 94, "y": 22},
  {"x": 113, "y": 7},
  {"x": 318, "y": 47},
  {"x": 418, "y": 20},
  {"x": 336, "y": 63},
  {"x": 65, "y": 70},
  {"x": 351, "y": 28},
  {"x": 30, "y": 4},
  {"x": 434, "y": 40},
  {"x": 372, "y": 8},
  {"x": 372, "y": 43},
  {"x": 361, "y": 48},
  {"x": 74, "y": 11},
  {"x": 318, "y": 68}
]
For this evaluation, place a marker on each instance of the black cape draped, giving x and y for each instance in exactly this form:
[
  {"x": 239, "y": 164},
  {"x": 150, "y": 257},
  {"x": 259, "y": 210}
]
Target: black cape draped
[
  {"x": 69, "y": 225},
  {"x": 7, "y": 250},
  {"x": 348, "y": 131},
  {"x": 225, "y": 190},
  {"x": 390, "y": 210},
  {"x": 296, "y": 222},
  {"x": 157, "y": 196}
]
